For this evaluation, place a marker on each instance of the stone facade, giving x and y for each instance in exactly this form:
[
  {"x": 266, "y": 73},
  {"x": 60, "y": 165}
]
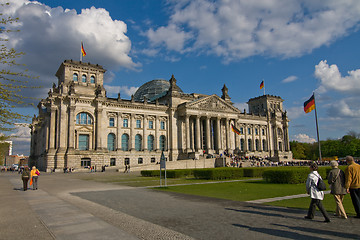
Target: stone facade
[{"x": 79, "y": 126}]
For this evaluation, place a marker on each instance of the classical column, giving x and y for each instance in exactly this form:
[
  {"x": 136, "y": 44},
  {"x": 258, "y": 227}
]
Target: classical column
[
  {"x": 145, "y": 122},
  {"x": 208, "y": 143},
  {"x": 187, "y": 133},
  {"x": 71, "y": 126},
  {"x": 156, "y": 140},
  {"x": 246, "y": 141},
  {"x": 132, "y": 136},
  {"x": 52, "y": 134},
  {"x": 261, "y": 147},
  {"x": 63, "y": 127},
  {"x": 237, "y": 138},
  {"x": 227, "y": 132},
  {"x": 98, "y": 128},
  {"x": 217, "y": 139},
  {"x": 286, "y": 138},
  {"x": 198, "y": 141},
  {"x": 253, "y": 138},
  {"x": 118, "y": 133}
]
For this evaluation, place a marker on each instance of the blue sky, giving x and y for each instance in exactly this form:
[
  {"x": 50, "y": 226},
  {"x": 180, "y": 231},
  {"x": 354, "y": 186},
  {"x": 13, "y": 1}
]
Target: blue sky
[{"x": 296, "y": 47}]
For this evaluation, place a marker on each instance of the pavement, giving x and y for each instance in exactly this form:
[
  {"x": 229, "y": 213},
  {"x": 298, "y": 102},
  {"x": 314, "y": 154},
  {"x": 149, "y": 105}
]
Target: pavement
[{"x": 65, "y": 207}]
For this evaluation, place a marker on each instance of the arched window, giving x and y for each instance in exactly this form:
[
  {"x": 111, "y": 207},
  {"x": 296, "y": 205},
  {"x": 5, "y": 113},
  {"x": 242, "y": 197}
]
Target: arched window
[
  {"x": 242, "y": 144},
  {"x": 83, "y": 78},
  {"x": 162, "y": 142},
  {"x": 249, "y": 145},
  {"x": 264, "y": 145},
  {"x": 125, "y": 142},
  {"x": 138, "y": 140},
  {"x": 75, "y": 77},
  {"x": 83, "y": 119},
  {"x": 111, "y": 142},
  {"x": 92, "y": 79},
  {"x": 150, "y": 143},
  {"x": 257, "y": 144}
]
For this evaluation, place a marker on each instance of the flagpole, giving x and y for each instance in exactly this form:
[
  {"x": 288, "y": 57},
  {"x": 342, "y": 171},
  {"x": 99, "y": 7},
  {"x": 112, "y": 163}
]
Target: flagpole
[
  {"x": 80, "y": 52},
  {"x": 264, "y": 86},
  {"x": 317, "y": 129}
]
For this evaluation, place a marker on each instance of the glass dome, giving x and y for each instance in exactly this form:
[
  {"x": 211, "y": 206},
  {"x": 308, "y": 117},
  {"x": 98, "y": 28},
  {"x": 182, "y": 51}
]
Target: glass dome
[{"x": 152, "y": 89}]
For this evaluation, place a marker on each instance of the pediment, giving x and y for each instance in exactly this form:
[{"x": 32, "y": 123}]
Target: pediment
[{"x": 212, "y": 103}]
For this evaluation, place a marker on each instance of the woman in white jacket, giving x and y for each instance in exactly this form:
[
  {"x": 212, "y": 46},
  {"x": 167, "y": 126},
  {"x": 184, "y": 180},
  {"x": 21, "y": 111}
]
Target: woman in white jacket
[{"x": 316, "y": 195}]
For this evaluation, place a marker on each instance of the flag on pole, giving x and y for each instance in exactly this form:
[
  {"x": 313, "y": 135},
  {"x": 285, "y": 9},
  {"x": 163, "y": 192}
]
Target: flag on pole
[
  {"x": 309, "y": 105},
  {"x": 83, "y": 50},
  {"x": 262, "y": 84},
  {"x": 235, "y": 130}
]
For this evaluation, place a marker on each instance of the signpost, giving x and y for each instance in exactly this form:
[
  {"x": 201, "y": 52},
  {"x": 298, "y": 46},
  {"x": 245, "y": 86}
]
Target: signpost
[{"x": 162, "y": 166}]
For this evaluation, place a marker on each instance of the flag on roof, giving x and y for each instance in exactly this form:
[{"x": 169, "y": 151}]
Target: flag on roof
[
  {"x": 83, "y": 50},
  {"x": 262, "y": 84}
]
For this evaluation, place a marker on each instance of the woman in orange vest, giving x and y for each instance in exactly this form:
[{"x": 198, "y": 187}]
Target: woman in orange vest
[{"x": 34, "y": 175}]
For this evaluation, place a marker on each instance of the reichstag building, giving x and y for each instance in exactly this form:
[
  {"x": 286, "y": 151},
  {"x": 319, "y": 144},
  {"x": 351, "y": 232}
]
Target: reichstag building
[{"x": 79, "y": 126}]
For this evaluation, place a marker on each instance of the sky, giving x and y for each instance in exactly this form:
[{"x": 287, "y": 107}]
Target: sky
[{"x": 296, "y": 47}]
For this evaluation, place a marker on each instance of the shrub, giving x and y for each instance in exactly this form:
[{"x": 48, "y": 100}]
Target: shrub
[
  {"x": 254, "y": 171},
  {"x": 293, "y": 176},
  {"x": 177, "y": 173},
  {"x": 219, "y": 173}
]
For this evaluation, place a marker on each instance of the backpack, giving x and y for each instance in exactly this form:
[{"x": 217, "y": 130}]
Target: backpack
[{"x": 321, "y": 186}]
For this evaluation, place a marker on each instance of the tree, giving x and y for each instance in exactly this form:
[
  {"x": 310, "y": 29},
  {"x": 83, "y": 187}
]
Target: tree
[{"x": 12, "y": 81}]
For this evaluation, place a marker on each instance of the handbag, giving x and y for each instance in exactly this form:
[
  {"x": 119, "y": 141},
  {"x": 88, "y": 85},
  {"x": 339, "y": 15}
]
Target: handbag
[
  {"x": 321, "y": 186},
  {"x": 37, "y": 172}
]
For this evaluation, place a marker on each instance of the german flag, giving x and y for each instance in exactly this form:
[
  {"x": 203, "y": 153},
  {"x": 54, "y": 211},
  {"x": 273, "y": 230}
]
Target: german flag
[
  {"x": 235, "y": 130},
  {"x": 309, "y": 105},
  {"x": 83, "y": 50},
  {"x": 262, "y": 85}
]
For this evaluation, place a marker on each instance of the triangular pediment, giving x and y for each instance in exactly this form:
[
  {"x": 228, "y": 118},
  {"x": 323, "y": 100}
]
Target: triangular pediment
[{"x": 212, "y": 103}]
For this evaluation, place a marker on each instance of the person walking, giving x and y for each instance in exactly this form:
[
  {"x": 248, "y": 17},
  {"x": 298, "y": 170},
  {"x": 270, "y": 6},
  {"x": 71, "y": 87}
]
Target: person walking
[
  {"x": 25, "y": 176},
  {"x": 34, "y": 175},
  {"x": 352, "y": 183},
  {"x": 336, "y": 179},
  {"x": 316, "y": 195}
]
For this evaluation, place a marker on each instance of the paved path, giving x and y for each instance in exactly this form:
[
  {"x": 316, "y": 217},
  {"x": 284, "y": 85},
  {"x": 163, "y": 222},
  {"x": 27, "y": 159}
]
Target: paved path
[{"x": 68, "y": 208}]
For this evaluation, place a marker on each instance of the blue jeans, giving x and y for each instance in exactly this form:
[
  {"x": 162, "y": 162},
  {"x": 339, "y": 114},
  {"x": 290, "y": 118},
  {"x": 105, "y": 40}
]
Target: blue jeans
[{"x": 35, "y": 180}]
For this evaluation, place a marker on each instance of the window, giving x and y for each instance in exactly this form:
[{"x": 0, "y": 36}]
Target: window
[
  {"x": 249, "y": 145},
  {"x": 127, "y": 161},
  {"x": 242, "y": 143},
  {"x": 152, "y": 160},
  {"x": 75, "y": 77},
  {"x": 264, "y": 145},
  {"x": 257, "y": 144},
  {"x": 263, "y": 131},
  {"x": 150, "y": 142},
  {"x": 151, "y": 124},
  {"x": 138, "y": 123},
  {"x": 241, "y": 130},
  {"x": 83, "y": 78},
  {"x": 83, "y": 142},
  {"x": 111, "y": 122},
  {"x": 249, "y": 130},
  {"x": 162, "y": 143},
  {"x": 92, "y": 79},
  {"x": 83, "y": 119},
  {"x": 112, "y": 161},
  {"x": 85, "y": 162},
  {"x": 125, "y": 142},
  {"x": 111, "y": 142},
  {"x": 138, "y": 140},
  {"x": 125, "y": 123},
  {"x": 162, "y": 125},
  {"x": 140, "y": 161},
  {"x": 256, "y": 131},
  {"x": 280, "y": 146}
]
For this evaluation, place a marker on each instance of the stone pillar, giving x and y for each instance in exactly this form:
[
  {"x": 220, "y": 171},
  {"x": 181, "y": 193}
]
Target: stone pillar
[
  {"x": 132, "y": 131},
  {"x": 192, "y": 135},
  {"x": 253, "y": 138},
  {"x": 217, "y": 136},
  {"x": 118, "y": 133},
  {"x": 187, "y": 133},
  {"x": 71, "y": 127},
  {"x": 246, "y": 142},
  {"x": 99, "y": 128},
  {"x": 145, "y": 122},
  {"x": 208, "y": 143},
  {"x": 198, "y": 141},
  {"x": 52, "y": 134},
  {"x": 63, "y": 127},
  {"x": 156, "y": 140}
]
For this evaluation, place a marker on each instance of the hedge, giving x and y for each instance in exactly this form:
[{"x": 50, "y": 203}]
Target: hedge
[
  {"x": 177, "y": 173},
  {"x": 292, "y": 176},
  {"x": 219, "y": 173}
]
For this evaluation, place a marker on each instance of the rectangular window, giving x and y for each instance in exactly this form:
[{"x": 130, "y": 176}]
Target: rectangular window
[
  {"x": 241, "y": 130},
  {"x": 249, "y": 130},
  {"x": 85, "y": 162},
  {"x": 152, "y": 160},
  {"x": 162, "y": 125},
  {"x": 127, "y": 161},
  {"x": 112, "y": 161},
  {"x": 138, "y": 123},
  {"x": 83, "y": 142},
  {"x": 256, "y": 131},
  {"x": 112, "y": 122},
  {"x": 125, "y": 123},
  {"x": 151, "y": 124},
  {"x": 140, "y": 161},
  {"x": 263, "y": 131}
]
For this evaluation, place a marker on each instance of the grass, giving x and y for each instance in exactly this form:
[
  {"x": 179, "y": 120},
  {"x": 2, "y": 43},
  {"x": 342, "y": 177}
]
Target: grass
[{"x": 236, "y": 191}]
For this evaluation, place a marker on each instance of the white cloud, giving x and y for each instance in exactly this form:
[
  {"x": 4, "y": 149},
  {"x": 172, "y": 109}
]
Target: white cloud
[
  {"x": 295, "y": 112},
  {"x": 22, "y": 133},
  {"x": 304, "y": 138},
  {"x": 331, "y": 79},
  {"x": 236, "y": 29},
  {"x": 345, "y": 108},
  {"x": 289, "y": 79},
  {"x": 241, "y": 106},
  {"x": 50, "y": 35},
  {"x": 114, "y": 90}
]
